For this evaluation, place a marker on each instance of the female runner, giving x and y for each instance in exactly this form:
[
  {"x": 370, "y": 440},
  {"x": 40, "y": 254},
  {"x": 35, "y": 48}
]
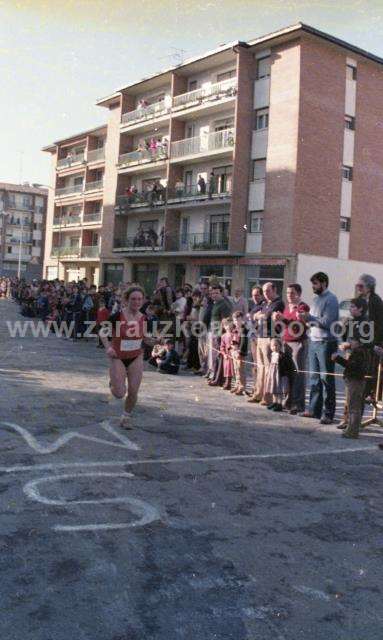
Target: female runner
[{"x": 125, "y": 351}]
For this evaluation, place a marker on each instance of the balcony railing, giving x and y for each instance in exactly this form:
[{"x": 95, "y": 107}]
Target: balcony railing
[
  {"x": 69, "y": 160},
  {"x": 143, "y": 157},
  {"x": 74, "y": 188},
  {"x": 66, "y": 221},
  {"x": 96, "y": 154},
  {"x": 141, "y": 199},
  {"x": 204, "y": 242},
  {"x": 65, "y": 251},
  {"x": 216, "y": 91},
  {"x": 93, "y": 186},
  {"x": 92, "y": 217},
  {"x": 194, "y": 194},
  {"x": 92, "y": 251},
  {"x": 25, "y": 240},
  {"x": 203, "y": 144},
  {"x": 139, "y": 242},
  {"x": 145, "y": 113}
]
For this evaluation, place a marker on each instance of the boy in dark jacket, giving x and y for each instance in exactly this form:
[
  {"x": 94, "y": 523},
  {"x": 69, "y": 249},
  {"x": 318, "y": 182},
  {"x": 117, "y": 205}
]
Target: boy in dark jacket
[
  {"x": 170, "y": 361},
  {"x": 355, "y": 369}
]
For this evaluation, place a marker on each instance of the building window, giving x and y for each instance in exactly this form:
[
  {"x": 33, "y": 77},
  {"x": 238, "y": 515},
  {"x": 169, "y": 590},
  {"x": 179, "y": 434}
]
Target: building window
[
  {"x": 226, "y": 75},
  {"x": 258, "y": 275},
  {"x": 78, "y": 180},
  {"x": 9, "y": 249},
  {"x": 347, "y": 173},
  {"x": 350, "y": 72},
  {"x": 345, "y": 223},
  {"x": 261, "y": 119},
  {"x": 263, "y": 68},
  {"x": 256, "y": 222},
  {"x": 184, "y": 231},
  {"x": 259, "y": 169},
  {"x": 192, "y": 85},
  {"x": 349, "y": 122}
]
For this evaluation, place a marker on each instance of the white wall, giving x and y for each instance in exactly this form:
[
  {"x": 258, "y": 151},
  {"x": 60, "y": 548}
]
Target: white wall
[
  {"x": 261, "y": 93},
  {"x": 348, "y": 147},
  {"x": 254, "y": 243},
  {"x": 257, "y": 195},
  {"x": 345, "y": 199},
  {"x": 344, "y": 245},
  {"x": 259, "y": 144},
  {"x": 343, "y": 274}
]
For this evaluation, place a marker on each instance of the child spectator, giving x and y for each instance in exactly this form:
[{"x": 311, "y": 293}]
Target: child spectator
[
  {"x": 355, "y": 368},
  {"x": 170, "y": 361},
  {"x": 239, "y": 351},
  {"x": 225, "y": 349},
  {"x": 279, "y": 375}
]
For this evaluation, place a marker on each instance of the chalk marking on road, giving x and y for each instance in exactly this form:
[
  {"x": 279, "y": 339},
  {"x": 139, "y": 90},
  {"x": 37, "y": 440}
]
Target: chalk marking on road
[
  {"x": 228, "y": 458},
  {"x": 146, "y": 512},
  {"x": 124, "y": 442}
]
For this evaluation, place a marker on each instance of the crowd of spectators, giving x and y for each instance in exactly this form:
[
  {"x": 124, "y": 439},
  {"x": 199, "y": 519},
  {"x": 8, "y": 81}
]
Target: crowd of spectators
[{"x": 204, "y": 329}]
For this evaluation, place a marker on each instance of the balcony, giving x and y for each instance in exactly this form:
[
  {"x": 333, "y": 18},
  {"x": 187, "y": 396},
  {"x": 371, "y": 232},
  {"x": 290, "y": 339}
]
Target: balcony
[
  {"x": 25, "y": 240},
  {"x": 138, "y": 243},
  {"x": 146, "y": 156},
  {"x": 140, "y": 200},
  {"x": 65, "y": 252},
  {"x": 92, "y": 251},
  {"x": 66, "y": 221},
  {"x": 193, "y": 195},
  {"x": 91, "y": 218},
  {"x": 96, "y": 155},
  {"x": 72, "y": 189},
  {"x": 145, "y": 113},
  {"x": 203, "y": 145},
  {"x": 70, "y": 160},
  {"x": 203, "y": 242},
  {"x": 94, "y": 186},
  {"x": 216, "y": 91}
]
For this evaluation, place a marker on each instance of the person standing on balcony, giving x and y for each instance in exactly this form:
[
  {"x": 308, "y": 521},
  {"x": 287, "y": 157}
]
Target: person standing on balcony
[
  {"x": 212, "y": 184},
  {"x": 201, "y": 185}
]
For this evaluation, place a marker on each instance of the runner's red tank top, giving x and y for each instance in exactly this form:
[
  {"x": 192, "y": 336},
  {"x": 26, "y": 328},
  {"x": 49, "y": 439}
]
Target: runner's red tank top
[{"x": 127, "y": 337}]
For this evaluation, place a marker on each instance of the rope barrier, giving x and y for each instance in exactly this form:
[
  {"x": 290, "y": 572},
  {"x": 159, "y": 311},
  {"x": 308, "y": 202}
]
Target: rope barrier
[{"x": 256, "y": 365}]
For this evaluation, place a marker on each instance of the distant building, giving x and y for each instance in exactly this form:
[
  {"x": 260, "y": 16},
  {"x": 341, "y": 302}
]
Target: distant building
[
  {"x": 257, "y": 161},
  {"x": 75, "y": 215},
  {"x": 23, "y": 210}
]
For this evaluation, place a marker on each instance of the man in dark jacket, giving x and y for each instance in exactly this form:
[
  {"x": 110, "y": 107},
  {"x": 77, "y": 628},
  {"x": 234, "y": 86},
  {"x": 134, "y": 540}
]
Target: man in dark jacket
[{"x": 366, "y": 289}]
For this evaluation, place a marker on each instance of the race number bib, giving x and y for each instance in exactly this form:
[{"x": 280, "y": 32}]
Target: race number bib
[{"x": 130, "y": 345}]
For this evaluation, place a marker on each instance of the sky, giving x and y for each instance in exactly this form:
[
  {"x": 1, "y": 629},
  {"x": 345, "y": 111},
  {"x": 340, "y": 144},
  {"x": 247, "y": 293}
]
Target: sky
[{"x": 58, "y": 57}]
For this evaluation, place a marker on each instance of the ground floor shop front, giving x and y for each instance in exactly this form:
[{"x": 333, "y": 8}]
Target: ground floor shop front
[{"x": 233, "y": 273}]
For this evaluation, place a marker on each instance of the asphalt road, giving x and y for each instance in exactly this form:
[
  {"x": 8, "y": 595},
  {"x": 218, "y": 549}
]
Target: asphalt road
[{"x": 211, "y": 520}]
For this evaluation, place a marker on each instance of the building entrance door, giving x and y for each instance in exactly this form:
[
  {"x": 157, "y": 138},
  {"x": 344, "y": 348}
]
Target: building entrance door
[{"x": 147, "y": 276}]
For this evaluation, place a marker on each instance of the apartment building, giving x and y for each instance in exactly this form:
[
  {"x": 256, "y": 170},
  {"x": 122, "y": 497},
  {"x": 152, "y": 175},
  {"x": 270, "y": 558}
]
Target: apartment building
[
  {"x": 75, "y": 212},
  {"x": 22, "y": 229},
  {"x": 260, "y": 160}
]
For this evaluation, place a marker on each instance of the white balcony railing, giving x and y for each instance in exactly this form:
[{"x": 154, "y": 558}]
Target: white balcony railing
[
  {"x": 92, "y": 251},
  {"x": 66, "y": 221},
  {"x": 143, "y": 157},
  {"x": 69, "y": 160},
  {"x": 65, "y": 251},
  {"x": 92, "y": 217},
  {"x": 74, "y": 188},
  {"x": 216, "y": 91},
  {"x": 203, "y": 144},
  {"x": 145, "y": 113},
  {"x": 96, "y": 154},
  {"x": 93, "y": 186}
]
